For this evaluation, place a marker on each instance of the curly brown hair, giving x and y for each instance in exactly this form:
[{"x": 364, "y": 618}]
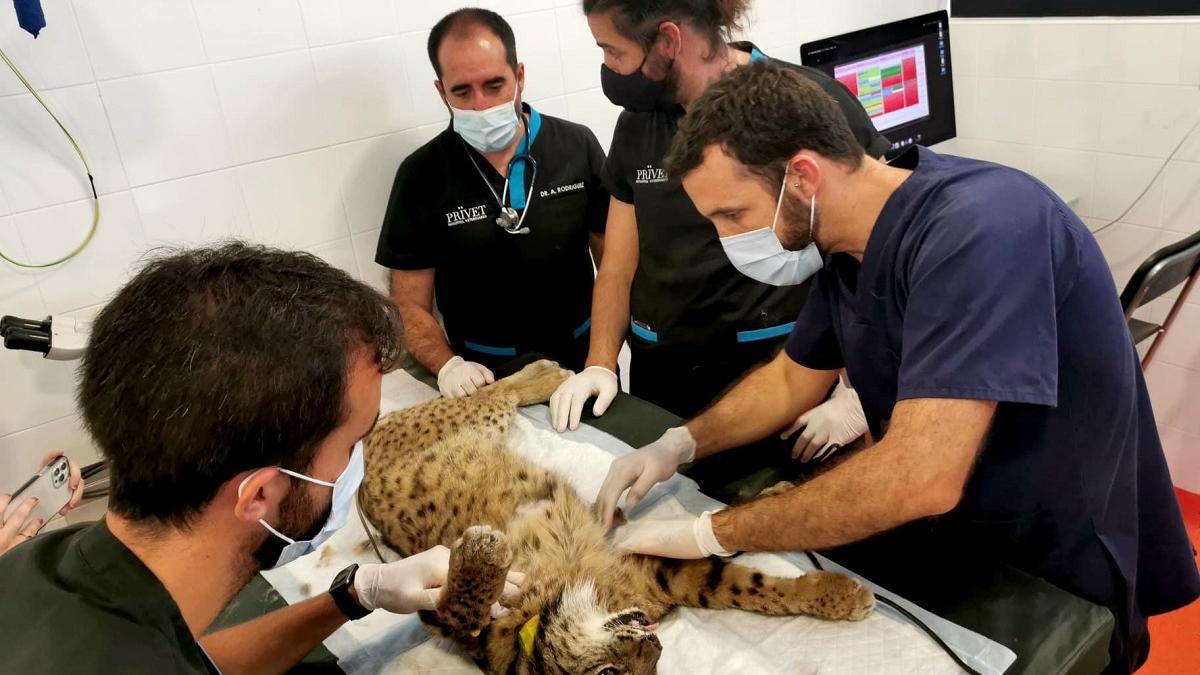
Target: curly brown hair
[
  {"x": 638, "y": 20},
  {"x": 763, "y": 114}
]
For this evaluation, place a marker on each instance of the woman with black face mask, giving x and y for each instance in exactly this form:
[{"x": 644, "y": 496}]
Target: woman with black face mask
[{"x": 695, "y": 322}]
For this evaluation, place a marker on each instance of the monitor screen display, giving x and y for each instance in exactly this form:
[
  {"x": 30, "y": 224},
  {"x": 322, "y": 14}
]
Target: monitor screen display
[{"x": 900, "y": 72}]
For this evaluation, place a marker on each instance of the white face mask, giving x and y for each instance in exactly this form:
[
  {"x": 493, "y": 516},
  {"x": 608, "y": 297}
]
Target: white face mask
[
  {"x": 344, "y": 490},
  {"x": 760, "y": 255},
  {"x": 488, "y": 130}
]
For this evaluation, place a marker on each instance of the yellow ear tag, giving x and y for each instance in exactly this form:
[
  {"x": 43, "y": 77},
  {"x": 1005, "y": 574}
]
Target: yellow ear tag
[{"x": 529, "y": 634}]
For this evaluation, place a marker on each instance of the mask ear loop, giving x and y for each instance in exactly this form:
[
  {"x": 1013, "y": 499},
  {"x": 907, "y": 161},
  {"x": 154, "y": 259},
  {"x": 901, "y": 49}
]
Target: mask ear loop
[
  {"x": 779, "y": 201},
  {"x": 262, "y": 521},
  {"x": 812, "y": 219}
]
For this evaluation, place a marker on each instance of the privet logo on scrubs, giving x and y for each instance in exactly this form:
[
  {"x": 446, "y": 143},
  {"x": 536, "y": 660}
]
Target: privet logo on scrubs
[
  {"x": 461, "y": 216},
  {"x": 562, "y": 189},
  {"x": 651, "y": 174}
]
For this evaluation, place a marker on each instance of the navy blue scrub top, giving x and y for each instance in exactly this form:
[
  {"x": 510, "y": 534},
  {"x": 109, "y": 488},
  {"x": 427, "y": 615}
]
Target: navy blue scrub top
[{"x": 979, "y": 283}]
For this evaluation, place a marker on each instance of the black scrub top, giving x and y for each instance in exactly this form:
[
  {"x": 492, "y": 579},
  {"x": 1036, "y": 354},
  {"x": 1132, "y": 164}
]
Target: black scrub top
[
  {"x": 686, "y": 294},
  {"x": 979, "y": 283},
  {"x": 76, "y": 600},
  {"x": 503, "y": 294}
]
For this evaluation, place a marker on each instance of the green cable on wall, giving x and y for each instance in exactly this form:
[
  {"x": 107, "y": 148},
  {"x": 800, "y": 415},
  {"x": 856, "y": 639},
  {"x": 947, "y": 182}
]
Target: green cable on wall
[{"x": 91, "y": 181}]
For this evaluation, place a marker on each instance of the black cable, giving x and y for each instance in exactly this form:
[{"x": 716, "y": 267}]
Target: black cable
[{"x": 915, "y": 621}]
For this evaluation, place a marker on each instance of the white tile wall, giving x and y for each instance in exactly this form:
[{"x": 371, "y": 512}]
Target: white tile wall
[
  {"x": 281, "y": 121},
  {"x": 216, "y": 210},
  {"x": 236, "y": 29},
  {"x": 167, "y": 125},
  {"x": 56, "y": 59},
  {"x": 38, "y": 166},
  {"x": 1107, "y": 102},
  {"x": 271, "y": 105},
  {"x": 331, "y": 22},
  {"x": 364, "y": 88},
  {"x": 129, "y": 37},
  {"x": 294, "y": 201}
]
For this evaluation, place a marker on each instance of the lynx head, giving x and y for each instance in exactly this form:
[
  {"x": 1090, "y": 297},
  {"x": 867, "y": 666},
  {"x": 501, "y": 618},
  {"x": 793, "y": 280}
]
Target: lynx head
[{"x": 574, "y": 635}]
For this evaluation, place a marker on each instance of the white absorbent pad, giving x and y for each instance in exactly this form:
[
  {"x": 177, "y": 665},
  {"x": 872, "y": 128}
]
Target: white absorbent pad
[{"x": 695, "y": 641}]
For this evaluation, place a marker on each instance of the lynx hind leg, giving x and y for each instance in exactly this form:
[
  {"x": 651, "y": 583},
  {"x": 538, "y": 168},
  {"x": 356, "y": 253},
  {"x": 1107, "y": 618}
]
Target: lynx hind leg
[
  {"x": 532, "y": 384},
  {"x": 716, "y": 584},
  {"x": 479, "y": 565}
]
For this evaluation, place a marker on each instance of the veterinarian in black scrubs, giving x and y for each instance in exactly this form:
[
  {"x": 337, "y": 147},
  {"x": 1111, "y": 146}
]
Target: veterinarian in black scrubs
[
  {"x": 979, "y": 322},
  {"x": 695, "y": 323},
  {"x": 495, "y": 214}
]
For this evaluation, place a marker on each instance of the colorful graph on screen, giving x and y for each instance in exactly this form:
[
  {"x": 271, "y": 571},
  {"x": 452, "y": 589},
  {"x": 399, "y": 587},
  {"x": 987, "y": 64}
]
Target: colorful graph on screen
[{"x": 893, "y": 87}]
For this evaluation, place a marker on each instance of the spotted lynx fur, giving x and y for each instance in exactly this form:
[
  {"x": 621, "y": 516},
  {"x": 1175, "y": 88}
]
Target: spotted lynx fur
[{"x": 441, "y": 473}]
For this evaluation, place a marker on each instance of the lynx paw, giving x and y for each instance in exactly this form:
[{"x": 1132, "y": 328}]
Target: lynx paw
[
  {"x": 839, "y": 597},
  {"x": 479, "y": 565},
  {"x": 535, "y": 382}
]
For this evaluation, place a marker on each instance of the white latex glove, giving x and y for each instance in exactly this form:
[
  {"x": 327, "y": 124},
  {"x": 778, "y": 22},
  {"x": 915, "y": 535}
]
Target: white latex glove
[
  {"x": 415, "y": 583},
  {"x": 459, "y": 378},
  {"x": 566, "y": 405},
  {"x": 643, "y": 469},
  {"x": 829, "y": 426},
  {"x": 684, "y": 538}
]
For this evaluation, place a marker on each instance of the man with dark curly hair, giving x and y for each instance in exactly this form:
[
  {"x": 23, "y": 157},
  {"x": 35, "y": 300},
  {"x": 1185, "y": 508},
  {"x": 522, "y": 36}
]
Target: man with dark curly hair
[
  {"x": 229, "y": 389},
  {"x": 979, "y": 323}
]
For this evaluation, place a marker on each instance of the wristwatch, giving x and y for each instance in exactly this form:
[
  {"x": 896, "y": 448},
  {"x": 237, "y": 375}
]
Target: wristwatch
[{"x": 340, "y": 590}]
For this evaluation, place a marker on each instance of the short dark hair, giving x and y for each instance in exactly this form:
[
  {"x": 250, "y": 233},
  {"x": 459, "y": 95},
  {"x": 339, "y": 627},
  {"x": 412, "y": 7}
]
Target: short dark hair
[
  {"x": 214, "y": 361},
  {"x": 638, "y": 20},
  {"x": 762, "y": 114},
  {"x": 462, "y": 19}
]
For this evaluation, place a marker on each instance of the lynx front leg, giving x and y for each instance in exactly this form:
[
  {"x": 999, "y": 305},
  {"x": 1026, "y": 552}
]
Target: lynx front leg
[
  {"x": 716, "y": 584},
  {"x": 479, "y": 565},
  {"x": 532, "y": 384}
]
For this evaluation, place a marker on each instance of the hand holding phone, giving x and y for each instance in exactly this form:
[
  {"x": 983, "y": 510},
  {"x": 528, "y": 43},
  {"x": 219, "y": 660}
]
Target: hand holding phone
[{"x": 56, "y": 489}]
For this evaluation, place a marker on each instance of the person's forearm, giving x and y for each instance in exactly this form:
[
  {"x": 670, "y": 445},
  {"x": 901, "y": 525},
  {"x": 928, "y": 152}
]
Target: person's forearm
[
  {"x": 274, "y": 643},
  {"x": 424, "y": 339},
  {"x": 596, "y": 244},
  {"x": 764, "y": 402},
  {"x": 915, "y": 472},
  {"x": 610, "y": 319},
  {"x": 871, "y": 492}
]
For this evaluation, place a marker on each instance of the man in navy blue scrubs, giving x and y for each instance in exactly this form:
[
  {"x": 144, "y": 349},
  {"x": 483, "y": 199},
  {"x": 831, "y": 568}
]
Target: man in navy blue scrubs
[{"x": 981, "y": 327}]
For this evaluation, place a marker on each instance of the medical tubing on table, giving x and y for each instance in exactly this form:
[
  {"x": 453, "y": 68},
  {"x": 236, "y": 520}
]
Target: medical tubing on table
[{"x": 917, "y": 622}]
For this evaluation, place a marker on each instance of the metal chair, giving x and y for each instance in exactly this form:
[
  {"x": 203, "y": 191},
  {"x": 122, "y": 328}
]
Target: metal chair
[{"x": 1166, "y": 269}]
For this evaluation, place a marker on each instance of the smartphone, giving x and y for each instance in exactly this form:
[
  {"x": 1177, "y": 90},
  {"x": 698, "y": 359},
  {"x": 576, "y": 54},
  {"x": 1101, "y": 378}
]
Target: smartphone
[{"x": 52, "y": 488}]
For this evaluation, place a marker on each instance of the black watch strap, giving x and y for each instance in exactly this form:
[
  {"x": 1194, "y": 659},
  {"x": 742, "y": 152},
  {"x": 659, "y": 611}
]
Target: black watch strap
[{"x": 340, "y": 590}]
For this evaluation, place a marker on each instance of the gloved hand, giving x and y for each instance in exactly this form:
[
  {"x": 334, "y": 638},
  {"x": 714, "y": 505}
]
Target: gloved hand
[
  {"x": 459, "y": 378},
  {"x": 566, "y": 405},
  {"x": 643, "y": 469},
  {"x": 829, "y": 426},
  {"x": 415, "y": 583},
  {"x": 685, "y": 538}
]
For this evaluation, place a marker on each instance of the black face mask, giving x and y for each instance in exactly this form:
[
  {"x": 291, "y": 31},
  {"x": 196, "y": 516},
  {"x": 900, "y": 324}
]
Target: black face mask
[{"x": 636, "y": 92}]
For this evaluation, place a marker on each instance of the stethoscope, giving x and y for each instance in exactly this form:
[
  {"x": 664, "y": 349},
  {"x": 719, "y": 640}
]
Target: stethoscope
[{"x": 508, "y": 220}]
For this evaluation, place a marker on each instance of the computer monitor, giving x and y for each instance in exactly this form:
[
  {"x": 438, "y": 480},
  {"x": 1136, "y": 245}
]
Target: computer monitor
[{"x": 901, "y": 72}]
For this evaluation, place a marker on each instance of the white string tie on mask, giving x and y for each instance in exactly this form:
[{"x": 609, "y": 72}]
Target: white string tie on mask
[{"x": 344, "y": 489}]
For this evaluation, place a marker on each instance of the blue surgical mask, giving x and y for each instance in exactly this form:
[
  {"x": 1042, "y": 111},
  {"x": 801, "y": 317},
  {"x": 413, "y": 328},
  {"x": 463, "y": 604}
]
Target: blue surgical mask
[
  {"x": 760, "y": 255},
  {"x": 344, "y": 489},
  {"x": 490, "y": 130}
]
